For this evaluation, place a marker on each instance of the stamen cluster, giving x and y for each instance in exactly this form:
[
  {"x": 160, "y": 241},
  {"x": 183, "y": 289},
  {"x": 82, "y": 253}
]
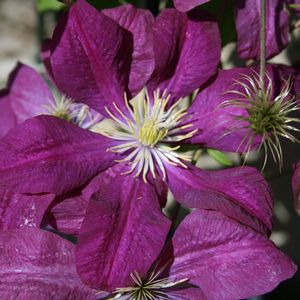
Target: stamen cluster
[
  {"x": 148, "y": 289},
  {"x": 70, "y": 111},
  {"x": 145, "y": 132}
]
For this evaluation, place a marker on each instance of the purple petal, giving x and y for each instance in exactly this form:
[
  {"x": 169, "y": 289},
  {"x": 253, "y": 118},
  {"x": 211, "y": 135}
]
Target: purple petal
[
  {"x": 124, "y": 231},
  {"x": 227, "y": 260},
  {"x": 21, "y": 211},
  {"x": 67, "y": 215},
  {"x": 241, "y": 193},
  {"x": 100, "y": 73},
  {"x": 217, "y": 125},
  {"x": 185, "y": 5},
  {"x": 188, "y": 294},
  {"x": 28, "y": 93},
  {"x": 187, "y": 51},
  {"x": 277, "y": 28},
  {"x": 49, "y": 155},
  {"x": 7, "y": 116},
  {"x": 68, "y": 212},
  {"x": 296, "y": 187},
  {"x": 36, "y": 264},
  {"x": 139, "y": 22}
]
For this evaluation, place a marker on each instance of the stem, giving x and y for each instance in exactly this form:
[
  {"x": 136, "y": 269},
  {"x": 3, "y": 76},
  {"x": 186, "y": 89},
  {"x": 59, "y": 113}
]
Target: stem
[{"x": 262, "y": 39}]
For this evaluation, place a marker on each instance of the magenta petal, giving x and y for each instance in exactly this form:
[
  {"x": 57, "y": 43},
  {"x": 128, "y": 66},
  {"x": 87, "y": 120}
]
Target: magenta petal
[
  {"x": 7, "y": 116},
  {"x": 67, "y": 216},
  {"x": 188, "y": 294},
  {"x": 124, "y": 231},
  {"x": 241, "y": 193},
  {"x": 277, "y": 28},
  {"x": 21, "y": 211},
  {"x": 226, "y": 259},
  {"x": 187, "y": 51},
  {"x": 28, "y": 93},
  {"x": 99, "y": 74},
  {"x": 185, "y": 5},
  {"x": 217, "y": 125},
  {"x": 36, "y": 264},
  {"x": 47, "y": 154},
  {"x": 139, "y": 22},
  {"x": 296, "y": 187}
]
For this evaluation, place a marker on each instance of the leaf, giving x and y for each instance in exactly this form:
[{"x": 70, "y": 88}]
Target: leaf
[
  {"x": 47, "y": 5},
  {"x": 220, "y": 157}
]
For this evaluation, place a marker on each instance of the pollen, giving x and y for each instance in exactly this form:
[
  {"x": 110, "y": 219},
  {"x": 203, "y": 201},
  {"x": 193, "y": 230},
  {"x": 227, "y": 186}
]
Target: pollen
[{"x": 149, "y": 133}]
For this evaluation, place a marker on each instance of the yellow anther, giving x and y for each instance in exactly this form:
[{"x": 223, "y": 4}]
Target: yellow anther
[{"x": 150, "y": 134}]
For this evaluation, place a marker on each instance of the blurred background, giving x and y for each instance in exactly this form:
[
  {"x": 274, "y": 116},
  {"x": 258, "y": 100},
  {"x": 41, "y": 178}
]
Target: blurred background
[{"x": 24, "y": 24}]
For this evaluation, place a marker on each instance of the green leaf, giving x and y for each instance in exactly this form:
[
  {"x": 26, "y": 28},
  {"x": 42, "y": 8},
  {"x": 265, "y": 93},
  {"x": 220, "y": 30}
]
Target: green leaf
[
  {"x": 48, "y": 5},
  {"x": 220, "y": 157}
]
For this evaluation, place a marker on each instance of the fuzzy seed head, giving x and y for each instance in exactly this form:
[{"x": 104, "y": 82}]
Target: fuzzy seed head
[{"x": 268, "y": 116}]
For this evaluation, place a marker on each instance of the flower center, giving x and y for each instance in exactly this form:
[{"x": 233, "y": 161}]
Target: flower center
[
  {"x": 70, "y": 111},
  {"x": 148, "y": 289},
  {"x": 150, "y": 133},
  {"x": 145, "y": 133}
]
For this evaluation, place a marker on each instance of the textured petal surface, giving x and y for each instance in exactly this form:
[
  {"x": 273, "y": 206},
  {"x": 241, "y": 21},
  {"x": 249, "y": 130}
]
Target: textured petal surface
[
  {"x": 185, "y": 5},
  {"x": 28, "y": 93},
  {"x": 139, "y": 22},
  {"x": 99, "y": 75},
  {"x": 187, "y": 51},
  {"x": 7, "y": 116},
  {"x": 124, "y": 230},
  {"x": 47, "y": 154},
  {"x": 217, "y": 125},
  {"x": 296, "y": 187},
  {"x": 224, "y": 258},
  {"x": 68, "y": 211},
  {"x": 36, "y": 264},
  {"x": 188, "y": 294},
  {"x": 22, "y": 211},
  {"x": 68, "y": 214},
  {"x": 241, "y": 193},
  {"x": 277, "y": 28}
]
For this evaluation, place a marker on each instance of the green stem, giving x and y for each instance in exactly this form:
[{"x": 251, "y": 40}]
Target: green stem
[{"x": 262, "y": 39}]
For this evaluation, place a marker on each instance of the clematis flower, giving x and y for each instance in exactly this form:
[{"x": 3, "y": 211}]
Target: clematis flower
[
  {"x": 255, "y": 113},
  {"x": 36, "y": 264},
  {"x": 96, "y": 58},
  {"x": 296, "y": 186},
  {"x": 132, "y": 223},
  {"x": 277, "y": 28},
  {"x": 211, "y": 256},
  {"x": 28, "y": 95}
]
